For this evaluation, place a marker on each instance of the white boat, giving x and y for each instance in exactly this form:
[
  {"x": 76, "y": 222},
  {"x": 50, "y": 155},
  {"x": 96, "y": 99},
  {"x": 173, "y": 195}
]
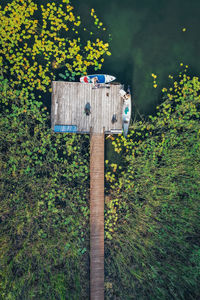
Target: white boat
[{"x": 126, "y": 113}]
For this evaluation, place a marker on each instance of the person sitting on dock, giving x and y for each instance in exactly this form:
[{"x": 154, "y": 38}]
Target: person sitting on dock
[{"x": 87, "y": 109}]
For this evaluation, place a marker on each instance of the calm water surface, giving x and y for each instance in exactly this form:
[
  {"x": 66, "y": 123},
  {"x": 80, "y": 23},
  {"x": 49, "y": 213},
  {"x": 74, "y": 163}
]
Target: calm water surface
[{"x": 148, "y": 37}]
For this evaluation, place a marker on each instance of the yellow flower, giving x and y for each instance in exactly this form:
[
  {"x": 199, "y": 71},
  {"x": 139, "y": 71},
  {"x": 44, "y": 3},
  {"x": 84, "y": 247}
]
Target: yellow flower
[
  {"x": 155, "y": 86},
  {"x": 184, "y": 29},
  {"x": 153, "y": 75},
  {"x": 36, "y": 75}
]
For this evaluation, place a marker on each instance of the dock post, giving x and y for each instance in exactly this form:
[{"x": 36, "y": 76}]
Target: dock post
[{"x": 96, "y": 216}]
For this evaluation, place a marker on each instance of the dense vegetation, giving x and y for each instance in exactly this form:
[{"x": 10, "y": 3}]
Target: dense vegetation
[
  {"x": 154, "y": 252},
  {"x": 152, "y": 246},
  {"x": 44, "y": 204}
]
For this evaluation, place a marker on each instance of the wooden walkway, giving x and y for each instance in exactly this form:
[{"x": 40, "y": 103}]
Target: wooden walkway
[
  {"x": 70, "y": 98},
  {"x": 97, "y": 216}
]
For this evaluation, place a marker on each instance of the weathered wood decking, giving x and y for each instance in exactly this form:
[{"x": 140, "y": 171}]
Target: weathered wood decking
[
  {"x": 96, "y": 216},
  {"x": 69, "y": 100}
]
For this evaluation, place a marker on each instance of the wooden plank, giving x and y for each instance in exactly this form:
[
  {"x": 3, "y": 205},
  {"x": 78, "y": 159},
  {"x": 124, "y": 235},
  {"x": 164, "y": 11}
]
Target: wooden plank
[
  {"x": 53, "y": 109},
  {"x": 97, "y": 216},
  {"x": 115, "y": 125}
]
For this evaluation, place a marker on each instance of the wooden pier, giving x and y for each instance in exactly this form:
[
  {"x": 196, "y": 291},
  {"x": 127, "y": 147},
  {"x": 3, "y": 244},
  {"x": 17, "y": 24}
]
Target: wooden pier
[{"x": 82, "y": 108}]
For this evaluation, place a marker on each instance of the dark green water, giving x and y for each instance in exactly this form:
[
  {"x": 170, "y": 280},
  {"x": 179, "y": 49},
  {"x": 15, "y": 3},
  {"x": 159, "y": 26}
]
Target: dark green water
[{"x": 148, "y": 37}]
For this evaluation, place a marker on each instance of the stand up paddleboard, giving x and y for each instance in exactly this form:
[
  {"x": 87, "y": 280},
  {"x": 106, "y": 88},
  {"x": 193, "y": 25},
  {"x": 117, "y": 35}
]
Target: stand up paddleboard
[
  {"x": 99, "y": 78},
  {"x": 126, "y": 113}
]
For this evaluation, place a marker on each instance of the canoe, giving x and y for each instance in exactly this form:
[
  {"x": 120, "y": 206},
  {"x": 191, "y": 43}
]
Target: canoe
[
  {"x": 126, "y": 114},
  {"x": 101, "y": 78}
]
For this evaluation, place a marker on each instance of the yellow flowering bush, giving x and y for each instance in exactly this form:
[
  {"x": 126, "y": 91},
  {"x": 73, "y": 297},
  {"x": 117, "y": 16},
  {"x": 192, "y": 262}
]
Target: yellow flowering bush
[
  {"x": 111, "y": 216},
  {"x": 36, "y": 40}
]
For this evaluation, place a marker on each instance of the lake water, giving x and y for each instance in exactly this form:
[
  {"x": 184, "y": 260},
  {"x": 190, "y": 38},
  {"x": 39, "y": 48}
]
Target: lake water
[{"x": 149, "y": 36}]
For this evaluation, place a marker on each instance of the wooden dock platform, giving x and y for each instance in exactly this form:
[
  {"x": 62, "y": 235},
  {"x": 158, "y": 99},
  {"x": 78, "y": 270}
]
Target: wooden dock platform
[{"x": 70, "y": 98}]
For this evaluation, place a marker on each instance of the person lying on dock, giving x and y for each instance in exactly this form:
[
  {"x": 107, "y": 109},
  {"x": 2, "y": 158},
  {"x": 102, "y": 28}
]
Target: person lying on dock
[
  {"x": 95, "y": 82},
  {"x": 124, "y": 95}
]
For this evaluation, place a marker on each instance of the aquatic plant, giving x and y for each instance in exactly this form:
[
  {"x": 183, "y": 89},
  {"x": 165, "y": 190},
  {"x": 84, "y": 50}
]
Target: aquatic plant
[{"x": 36, "y": 40}]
